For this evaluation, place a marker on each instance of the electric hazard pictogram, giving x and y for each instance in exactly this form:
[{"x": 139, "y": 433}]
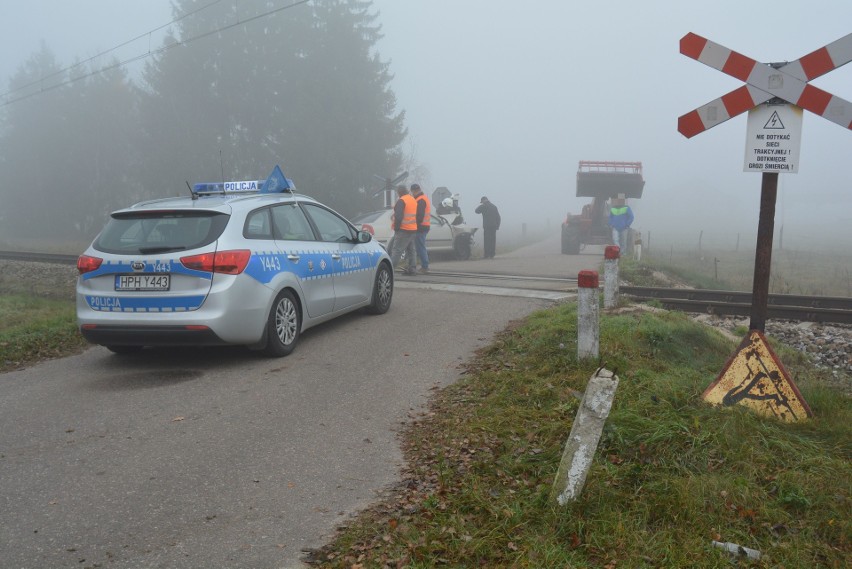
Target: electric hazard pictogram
[
  {"x": 754, "y": 377},
  {"x": 774, "y": 122}
]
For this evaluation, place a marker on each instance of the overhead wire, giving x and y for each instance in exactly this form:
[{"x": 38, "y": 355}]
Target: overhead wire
[
  {"x": 108, "y": 51},
  {"x": 139, "y": 57}
]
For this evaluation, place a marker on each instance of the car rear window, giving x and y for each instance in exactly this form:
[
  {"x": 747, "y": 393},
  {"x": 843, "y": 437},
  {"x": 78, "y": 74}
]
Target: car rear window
[{"x": 151, "y": 232}]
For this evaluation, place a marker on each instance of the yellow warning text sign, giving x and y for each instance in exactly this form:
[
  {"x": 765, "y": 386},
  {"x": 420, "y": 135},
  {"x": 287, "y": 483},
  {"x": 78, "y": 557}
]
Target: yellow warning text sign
[{"x": 754, "y": 377}]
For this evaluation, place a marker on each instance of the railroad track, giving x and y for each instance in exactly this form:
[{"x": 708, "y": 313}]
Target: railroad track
[
  {"x": 720, "y": 302},
  {"x": 730, "y": 303},
  {"x": 33, "y": 257}
]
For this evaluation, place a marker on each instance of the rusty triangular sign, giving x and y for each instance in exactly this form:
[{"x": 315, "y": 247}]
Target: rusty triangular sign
[{"x": 755, "y": 377}]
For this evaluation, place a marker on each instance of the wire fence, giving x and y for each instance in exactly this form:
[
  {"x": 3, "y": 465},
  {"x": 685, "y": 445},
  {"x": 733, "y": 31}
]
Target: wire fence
[{"x": 727, "y": 261}]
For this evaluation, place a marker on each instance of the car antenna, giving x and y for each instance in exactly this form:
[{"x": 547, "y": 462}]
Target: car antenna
[
  {"x": 193, "y": 194},
  {"x": 221, "y": 165}
]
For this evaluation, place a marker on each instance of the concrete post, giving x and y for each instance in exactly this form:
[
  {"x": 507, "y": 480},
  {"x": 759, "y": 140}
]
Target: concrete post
[
  {"x": 611, "y": 256},
  {"x": 585, "y": 435},
  {"x": 588, "y": 319}
]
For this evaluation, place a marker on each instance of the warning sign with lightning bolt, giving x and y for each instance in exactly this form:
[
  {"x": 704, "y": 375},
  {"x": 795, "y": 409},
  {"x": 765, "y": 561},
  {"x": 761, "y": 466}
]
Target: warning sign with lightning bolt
[
  {"x": 754, "y": 377},
  {"x": 773, "y": 140},
  {"x": 774, "y": 122}
]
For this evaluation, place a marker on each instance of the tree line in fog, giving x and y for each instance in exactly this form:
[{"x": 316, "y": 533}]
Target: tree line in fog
[{"x": 302, "y": 87}]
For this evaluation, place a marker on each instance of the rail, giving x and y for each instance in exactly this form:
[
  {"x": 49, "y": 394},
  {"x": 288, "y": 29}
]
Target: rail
[
  {"x": 823, "y": 309},
  {"x": 33, "y": 257}
]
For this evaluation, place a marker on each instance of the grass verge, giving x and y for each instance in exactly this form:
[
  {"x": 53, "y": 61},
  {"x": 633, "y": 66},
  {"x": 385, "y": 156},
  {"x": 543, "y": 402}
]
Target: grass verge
[
  {"x": 671, "y": 473},
  {"x": 34, "y": 329}
]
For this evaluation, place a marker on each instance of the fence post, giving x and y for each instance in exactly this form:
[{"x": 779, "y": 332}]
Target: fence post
[
  {"x": 612, "y": 253},
  {"x": 588, "y": 319}
]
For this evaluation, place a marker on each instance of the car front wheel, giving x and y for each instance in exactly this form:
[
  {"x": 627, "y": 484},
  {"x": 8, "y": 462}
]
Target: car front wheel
[
  {"x": 462, "y": 247},
  {"x": 283, "y": 325},
  {"x": 382, "y": 290}
]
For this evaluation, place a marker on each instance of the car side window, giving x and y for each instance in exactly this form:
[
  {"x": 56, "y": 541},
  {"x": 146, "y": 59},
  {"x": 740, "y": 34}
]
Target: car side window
[
  {"x": 258, "y": 225},
  {"x": 331, "y": 226},
  {"x": 290, "y": 223}
]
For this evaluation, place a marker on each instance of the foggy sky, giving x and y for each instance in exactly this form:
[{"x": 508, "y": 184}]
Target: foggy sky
[{"x": 505, "y": 98}]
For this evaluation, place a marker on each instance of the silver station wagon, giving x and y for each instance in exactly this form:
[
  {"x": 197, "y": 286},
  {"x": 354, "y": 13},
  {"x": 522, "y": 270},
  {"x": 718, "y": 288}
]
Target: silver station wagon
[{"x": 248, "y": 263}]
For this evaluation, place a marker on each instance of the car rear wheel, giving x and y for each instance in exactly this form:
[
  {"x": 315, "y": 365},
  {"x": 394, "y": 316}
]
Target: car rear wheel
[
  {"x": 462, "y": 247},
  {"x": 382, "y": 290},
  {"x": 283, "y": 325},
  {"x": 124, "y": 349}
]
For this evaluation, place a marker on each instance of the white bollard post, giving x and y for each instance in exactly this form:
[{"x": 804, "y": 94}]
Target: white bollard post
[
  {"x": 585, "y": 435},
  {"x": 588, "y": 320},
  {"x": 611, "y": 256}
]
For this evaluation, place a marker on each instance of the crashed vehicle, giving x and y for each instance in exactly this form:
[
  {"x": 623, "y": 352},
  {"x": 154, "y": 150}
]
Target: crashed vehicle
[{"x": 448, "y": 231}]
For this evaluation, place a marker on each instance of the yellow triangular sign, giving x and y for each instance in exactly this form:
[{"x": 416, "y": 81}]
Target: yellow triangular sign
[{"x": 754, "y": 377}]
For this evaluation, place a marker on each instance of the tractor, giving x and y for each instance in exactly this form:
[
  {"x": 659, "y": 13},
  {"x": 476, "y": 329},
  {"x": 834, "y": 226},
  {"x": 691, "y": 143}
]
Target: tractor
[{"x": 601, "y": 181}]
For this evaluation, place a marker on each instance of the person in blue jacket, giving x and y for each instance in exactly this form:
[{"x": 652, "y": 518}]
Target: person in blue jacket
[{"x": 620, "y": 220}]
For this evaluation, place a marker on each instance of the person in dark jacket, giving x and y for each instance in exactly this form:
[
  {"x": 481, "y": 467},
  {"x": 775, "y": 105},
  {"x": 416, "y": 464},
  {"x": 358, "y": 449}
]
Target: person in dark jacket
[{"x": 490, "y": 225}]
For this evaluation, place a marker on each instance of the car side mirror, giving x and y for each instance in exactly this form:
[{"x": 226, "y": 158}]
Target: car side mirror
[{"x": 364, "y": 237}]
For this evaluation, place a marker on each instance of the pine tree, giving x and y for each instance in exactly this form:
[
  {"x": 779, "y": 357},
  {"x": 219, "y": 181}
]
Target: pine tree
[
  {"x": 66, "y": 149},
  {"x": 254, "y": 86}
]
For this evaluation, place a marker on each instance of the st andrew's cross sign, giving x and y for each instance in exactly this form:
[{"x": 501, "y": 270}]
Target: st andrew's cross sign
[{"x": 787, "y": 81}]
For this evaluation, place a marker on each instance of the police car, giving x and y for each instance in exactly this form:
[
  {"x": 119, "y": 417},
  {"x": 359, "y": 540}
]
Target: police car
[{"x": 249, "y": 263}]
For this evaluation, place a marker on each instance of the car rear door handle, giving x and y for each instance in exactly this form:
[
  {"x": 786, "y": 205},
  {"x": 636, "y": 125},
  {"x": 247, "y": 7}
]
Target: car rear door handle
[
  {"x": 336, "y": 256},
  {"x": 292, "y": 257}
]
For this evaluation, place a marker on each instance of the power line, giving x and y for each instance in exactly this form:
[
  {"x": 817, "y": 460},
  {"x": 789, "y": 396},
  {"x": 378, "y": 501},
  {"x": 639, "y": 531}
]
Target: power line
[
  {"x": 140, "y": 56},
  {"x": 94, "y": 57}
]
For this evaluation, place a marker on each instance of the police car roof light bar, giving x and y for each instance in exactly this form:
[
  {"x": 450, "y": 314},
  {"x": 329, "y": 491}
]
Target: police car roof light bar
[{"x": 236, "y": 187}]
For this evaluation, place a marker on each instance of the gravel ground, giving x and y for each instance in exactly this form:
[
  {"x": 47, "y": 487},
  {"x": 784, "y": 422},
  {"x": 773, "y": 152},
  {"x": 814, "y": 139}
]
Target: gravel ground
[
  {"x": 42, "y": 279},
  {"x": 828, "y": 346}
]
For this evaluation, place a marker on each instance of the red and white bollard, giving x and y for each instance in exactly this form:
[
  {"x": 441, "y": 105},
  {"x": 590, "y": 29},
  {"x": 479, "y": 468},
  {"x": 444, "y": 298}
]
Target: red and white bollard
[
  {"x": 611, "y": 255},
  {"x": 588, "y": 319}
]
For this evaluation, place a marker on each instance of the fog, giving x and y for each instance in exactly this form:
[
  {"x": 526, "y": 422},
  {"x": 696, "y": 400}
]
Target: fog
[{"x": 505, "y": 98}]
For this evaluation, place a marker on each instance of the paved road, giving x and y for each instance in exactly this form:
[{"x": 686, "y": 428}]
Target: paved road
[
  {"x": 219, "y": 457},
  {"x": 541, "y": 259}
]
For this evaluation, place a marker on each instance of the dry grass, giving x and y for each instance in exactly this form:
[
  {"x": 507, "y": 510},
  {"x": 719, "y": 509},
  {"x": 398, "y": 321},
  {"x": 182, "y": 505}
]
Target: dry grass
[{"x": 792, "y": 272}]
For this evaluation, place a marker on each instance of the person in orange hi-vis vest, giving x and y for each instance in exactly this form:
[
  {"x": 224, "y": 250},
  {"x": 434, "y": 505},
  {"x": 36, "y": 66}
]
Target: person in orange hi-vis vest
[
  {"x": 424, "y": 221},
  {"x": 404, "y": 229}
]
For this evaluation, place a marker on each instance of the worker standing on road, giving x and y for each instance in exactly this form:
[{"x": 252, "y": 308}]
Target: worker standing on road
[
  {"x": 404, "y": 229},
  {"x": 490, "y": 225},
  {"x": 620, "y": 220},
  {"x": 424, "y": 221}
]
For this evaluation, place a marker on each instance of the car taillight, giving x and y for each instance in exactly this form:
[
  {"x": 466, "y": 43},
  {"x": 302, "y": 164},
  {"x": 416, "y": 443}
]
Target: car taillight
[
  {"x": 86, "y": 264},
  {"x": 368, "y": 228},
  {"x": 226, "y": 262}
]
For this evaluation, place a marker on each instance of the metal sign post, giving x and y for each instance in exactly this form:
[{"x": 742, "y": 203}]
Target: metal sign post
[
  {"x": 772, "y": 146},
  {"x": 763, "y": 252}
]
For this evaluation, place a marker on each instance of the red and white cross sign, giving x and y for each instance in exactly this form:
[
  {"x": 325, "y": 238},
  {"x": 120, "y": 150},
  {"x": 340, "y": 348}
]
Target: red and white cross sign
[{"x": 788, "y": 81}]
